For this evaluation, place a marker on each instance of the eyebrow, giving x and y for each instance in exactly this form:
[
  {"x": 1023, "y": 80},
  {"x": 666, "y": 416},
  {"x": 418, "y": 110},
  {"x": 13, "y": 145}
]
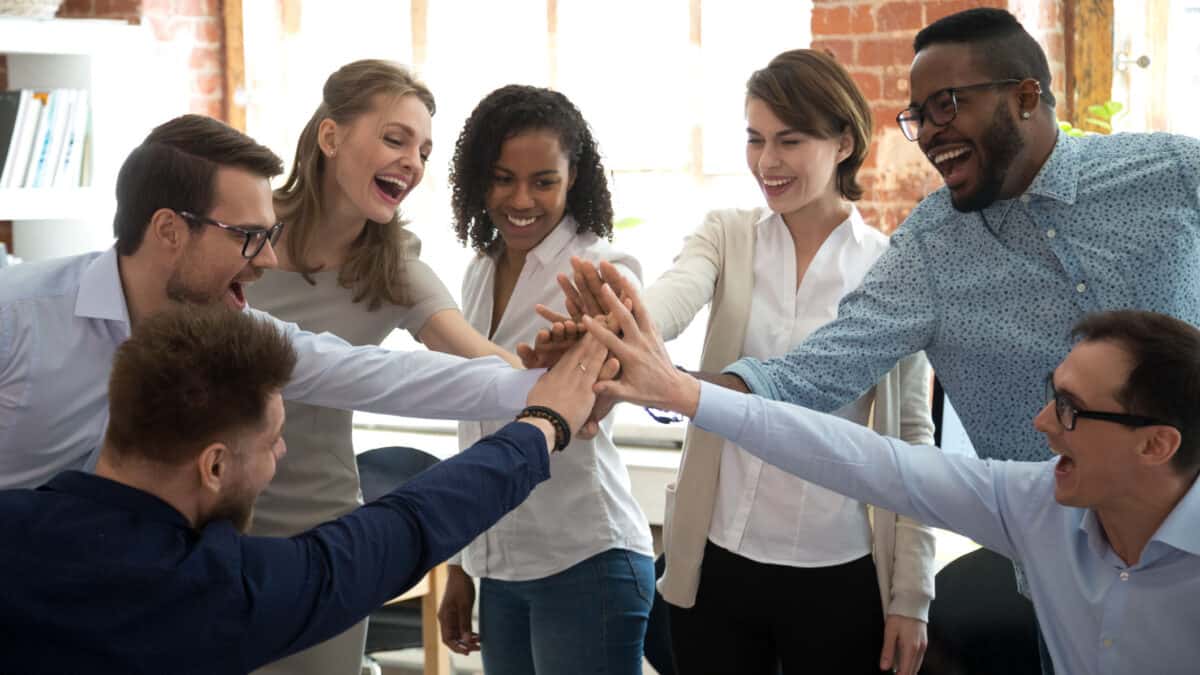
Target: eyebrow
[
  {"x": 785, "y": 132},
  {"x": 1068, "y": 394},
  {"x": 406, "y": 129},
  {"x": 546, "y": 172}
]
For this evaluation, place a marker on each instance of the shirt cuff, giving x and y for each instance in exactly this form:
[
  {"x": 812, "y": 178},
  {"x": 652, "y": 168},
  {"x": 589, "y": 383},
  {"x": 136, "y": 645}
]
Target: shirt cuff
[
  {"x": 755, "y": 376},
  {"x": 721, "y": 411},
  {"x": 512, "y": 387}
]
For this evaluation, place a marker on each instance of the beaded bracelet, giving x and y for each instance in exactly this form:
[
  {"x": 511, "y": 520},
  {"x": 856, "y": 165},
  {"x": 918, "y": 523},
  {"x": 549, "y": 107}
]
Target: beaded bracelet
[{"x": 562, "y": 432}]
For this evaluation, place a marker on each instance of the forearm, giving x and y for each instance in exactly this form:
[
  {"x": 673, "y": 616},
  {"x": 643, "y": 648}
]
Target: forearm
[
  {"x": 333, "y": 374},
  {"x": 913, "y": 569},
  {"x": 326, "y": 579},
  {"x": 726, "y": 380},
  {"x": 953, "y": 492}
]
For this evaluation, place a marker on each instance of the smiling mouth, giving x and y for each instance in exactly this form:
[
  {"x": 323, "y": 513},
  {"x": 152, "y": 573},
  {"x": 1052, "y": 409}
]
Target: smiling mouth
[
  {"x": 1064, "y": 466},
  {"x": 391, "y": 186},
  {"x": 776, "y": 182},
  {"x": 520, "y": 222},
  {"x": 951, "y": 163},
  {"x": 238, "y": 293}
]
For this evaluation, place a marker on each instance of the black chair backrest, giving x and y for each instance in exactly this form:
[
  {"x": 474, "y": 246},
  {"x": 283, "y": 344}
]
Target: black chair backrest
[{"x": 382, "y": 470}]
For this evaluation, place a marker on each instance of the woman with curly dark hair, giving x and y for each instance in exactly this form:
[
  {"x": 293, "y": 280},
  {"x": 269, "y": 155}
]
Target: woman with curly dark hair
[{"x": 567, "y": 578}]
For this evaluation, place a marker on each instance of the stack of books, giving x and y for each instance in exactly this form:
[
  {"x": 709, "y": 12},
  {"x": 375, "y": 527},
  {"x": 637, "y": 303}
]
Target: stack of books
[{"x": 44, "y": 138}]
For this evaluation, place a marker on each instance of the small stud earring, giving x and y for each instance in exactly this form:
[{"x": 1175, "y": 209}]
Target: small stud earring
[{"x": 1025, "y": 115}]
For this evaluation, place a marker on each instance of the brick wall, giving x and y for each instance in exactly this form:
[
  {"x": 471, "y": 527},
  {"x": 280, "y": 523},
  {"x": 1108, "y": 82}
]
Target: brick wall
[
  {"x": 193, "y": 25},
  {"x": 873, "y": 39}
]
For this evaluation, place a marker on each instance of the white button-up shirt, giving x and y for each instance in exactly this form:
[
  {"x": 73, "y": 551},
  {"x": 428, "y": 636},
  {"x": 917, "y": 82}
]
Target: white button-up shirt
[
  {"x": 587, "y": 506},
  {"x": 762, "y": 512},
  {"x": 62, "y": 320}
]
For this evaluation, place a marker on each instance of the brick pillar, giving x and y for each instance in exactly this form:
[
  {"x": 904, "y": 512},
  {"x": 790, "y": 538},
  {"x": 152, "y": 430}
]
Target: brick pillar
[
  {"x": 873, "y": 40},
  {"x": 195, "y": 25}
]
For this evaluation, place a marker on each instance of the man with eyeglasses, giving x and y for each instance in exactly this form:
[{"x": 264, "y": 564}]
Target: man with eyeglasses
[
  {"x": 1108, "y": 533},
  {"x": 194, "y": 223}
]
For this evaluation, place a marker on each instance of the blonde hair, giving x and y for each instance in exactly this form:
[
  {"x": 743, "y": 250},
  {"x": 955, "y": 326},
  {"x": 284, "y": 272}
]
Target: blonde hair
[{"x": 375, "y": 265}]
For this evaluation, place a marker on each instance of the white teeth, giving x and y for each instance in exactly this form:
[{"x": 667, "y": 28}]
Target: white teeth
[
  {"x": 949, "y": 154},
  {"x": 394, "y": 181},
  {"x": 776, "y": 182},
  {"x": 522, "y": 222}
]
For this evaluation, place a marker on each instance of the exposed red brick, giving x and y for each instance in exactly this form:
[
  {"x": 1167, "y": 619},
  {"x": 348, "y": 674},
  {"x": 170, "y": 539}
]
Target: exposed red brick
[
  {"x": 869, "y": 84},
  {"x": 208, "y": 84},
  {"x": 875, "y": 51},
  {"x": 862, "y": 19},
  {"x": 940, "y": 8},
  {"x": 1051, "y": 14},
  {"x": 205, "y": 60},
  {"x": 195, "y": 7},
  {"x": 895, "y": 86},
  {"x": 842, "y": 50},
  {"x": 207, "y": 106},
  {"x": 208, "y": 31},
  {"x": 77, "y": 8},
  {"x": 896, "y": 16},
  {"x": 831, "y": 20}
]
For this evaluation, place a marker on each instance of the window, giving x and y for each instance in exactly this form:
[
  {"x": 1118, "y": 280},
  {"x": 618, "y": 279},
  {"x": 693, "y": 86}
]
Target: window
[{"x": 661, "y": 83}]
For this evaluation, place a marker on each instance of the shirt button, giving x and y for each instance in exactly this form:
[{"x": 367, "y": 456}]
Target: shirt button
[
  {"x": 1081, "y": 287},
  {"x": 1024, "y": 199},
  {"x": 1107, "y": 642},
  {"x": 1124, "y": 576},
  {"x": 1050, "y": 233}
]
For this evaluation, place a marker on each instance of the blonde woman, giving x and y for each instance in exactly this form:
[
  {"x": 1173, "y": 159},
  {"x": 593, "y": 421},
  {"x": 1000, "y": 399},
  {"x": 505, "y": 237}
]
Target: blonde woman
[{"x": 348, "y": 266}]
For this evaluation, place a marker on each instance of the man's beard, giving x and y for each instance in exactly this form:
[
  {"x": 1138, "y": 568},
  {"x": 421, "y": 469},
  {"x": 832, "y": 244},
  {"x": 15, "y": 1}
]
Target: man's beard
[
  {"x": 1000, "y": 147},
  {"x": 237, "y": 510},
  {"x": 179, "y": 291}
]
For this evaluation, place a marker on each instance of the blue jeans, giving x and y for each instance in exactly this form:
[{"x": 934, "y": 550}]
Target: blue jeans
[{"x": 589, "y": 618}]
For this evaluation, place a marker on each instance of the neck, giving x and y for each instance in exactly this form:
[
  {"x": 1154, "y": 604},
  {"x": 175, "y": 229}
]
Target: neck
[
  {"x": 510, "y": 261},
  {"x": 812, "y": 224},
  {"x": 168, "y": 483},
  {"x": 340, "y": 226},
  {"x": 1039, "y": 146},
  {"x": 144, "y": 286},
  {"x": 1130, "y": 522}
]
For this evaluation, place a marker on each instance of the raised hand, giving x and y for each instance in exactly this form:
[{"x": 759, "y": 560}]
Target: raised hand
[
  {"x": 647, "y": 374},
  {"x": 567, "y": 387}
]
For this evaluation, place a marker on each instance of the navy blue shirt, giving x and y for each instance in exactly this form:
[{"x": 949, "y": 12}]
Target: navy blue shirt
[{"x": 100, "y": 577}]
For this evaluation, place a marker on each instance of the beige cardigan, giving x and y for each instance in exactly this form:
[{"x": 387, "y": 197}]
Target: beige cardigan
[{"x": 717, "y": 265}]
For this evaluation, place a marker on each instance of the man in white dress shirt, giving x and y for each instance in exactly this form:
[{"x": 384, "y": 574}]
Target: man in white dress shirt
[{"x": 194, "y": 223}]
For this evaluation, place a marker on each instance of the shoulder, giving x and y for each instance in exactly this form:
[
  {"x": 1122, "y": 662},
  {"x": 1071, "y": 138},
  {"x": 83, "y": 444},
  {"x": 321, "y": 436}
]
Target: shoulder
[
  {"x": 727, "y": 220},
  {"x": 591, "y": 247},
  {"x": 932, "y": 214},
  {"x": 43, "y": 279}
]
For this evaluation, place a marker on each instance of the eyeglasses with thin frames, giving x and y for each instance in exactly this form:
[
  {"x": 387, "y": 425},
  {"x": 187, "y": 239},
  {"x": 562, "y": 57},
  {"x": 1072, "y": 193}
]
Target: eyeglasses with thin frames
[
  {"x": 939, "y": 108},
  {"x": 255, "y": 238},
  {"x": 1068, "y": 414}
]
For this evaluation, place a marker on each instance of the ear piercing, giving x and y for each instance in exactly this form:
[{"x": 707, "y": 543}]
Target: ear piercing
[{"x": 1025, "y": 115}]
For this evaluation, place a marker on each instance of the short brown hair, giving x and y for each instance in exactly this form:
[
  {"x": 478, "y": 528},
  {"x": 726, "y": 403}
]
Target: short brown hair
[
  {"x": 191, "y": 376},
  {"x": 810, "y": 92},
  {"x": 176, "y": 167},
  {"x": 374, "y": 267},
  {"x": 1164, "y": 383}
]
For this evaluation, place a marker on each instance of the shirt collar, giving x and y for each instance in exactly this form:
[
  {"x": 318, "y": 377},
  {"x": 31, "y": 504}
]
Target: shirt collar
[
  {"x": 858, "y": 226},
  {"x": 1058, "y": 178},
  {"x": 1180, "y": 530},
  {"x": 117, "y": 495},
  {"x": 548, "y": 250},
  {"x": 100, "y": 293}
]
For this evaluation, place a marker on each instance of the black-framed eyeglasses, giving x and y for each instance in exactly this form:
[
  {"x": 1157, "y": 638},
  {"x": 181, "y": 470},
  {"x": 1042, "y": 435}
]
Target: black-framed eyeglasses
[
  {"x": 940, "y": 108},
  {"x": 255, "y": 238},
  {"x": 1068, "y": 414}
]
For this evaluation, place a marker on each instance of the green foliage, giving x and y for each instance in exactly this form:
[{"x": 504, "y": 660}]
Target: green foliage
[{"x": 1099, "y": 116}]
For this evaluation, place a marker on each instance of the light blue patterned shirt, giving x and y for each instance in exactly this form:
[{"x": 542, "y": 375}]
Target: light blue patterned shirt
[
  {"x": 1110, "y": 222},
  {"x": 1099, "y": 616},
  {"x": 62, "y": 320}
]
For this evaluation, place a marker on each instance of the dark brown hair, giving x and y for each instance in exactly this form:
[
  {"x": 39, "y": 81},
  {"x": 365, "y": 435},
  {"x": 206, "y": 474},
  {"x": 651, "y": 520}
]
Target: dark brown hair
[
  {"x": 1164, "y": 383},
  {"x": 190, "y": 376},
  {"x": 811, "y": 93},
  {"x": 374, "y": 267},
  {"x": 510, "y": 111},
  {"x": 176, "y": 167}
]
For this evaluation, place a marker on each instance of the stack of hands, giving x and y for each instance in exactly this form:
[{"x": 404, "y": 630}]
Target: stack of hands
[{"x": 605, "y": 350}]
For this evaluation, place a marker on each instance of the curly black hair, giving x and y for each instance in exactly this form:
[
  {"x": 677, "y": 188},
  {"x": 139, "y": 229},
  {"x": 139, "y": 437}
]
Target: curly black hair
[{"x": 507, "y": 112}]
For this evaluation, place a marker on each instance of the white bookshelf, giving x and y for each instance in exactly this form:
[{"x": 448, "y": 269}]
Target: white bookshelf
[{"x": 109, "y": 59}]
